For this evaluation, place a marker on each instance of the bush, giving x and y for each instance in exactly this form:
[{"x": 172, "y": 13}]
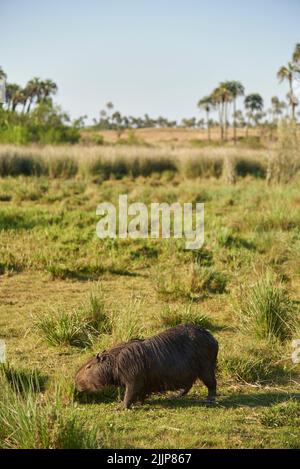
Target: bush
[{"x": 267, "y": 311}]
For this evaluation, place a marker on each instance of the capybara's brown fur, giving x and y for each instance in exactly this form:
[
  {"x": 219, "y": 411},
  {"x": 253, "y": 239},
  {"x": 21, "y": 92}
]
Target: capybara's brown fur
[{"x": 173, "y": 359}]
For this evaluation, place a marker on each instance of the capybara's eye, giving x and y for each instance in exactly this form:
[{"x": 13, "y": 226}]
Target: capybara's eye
[{"x": 88, "y": 367}]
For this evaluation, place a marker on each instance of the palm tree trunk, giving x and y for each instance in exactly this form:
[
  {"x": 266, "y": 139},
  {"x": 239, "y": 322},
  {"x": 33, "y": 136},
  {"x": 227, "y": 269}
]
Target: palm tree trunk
[
  {"x": 208, "y": 126},
  {"x": 234, "y": 121},
  {"x": 29, "y": 106},
  {"x": 225, "y": 119},
  {"x": 293, "y": 107},
  {"x": 221, "y": 122}
]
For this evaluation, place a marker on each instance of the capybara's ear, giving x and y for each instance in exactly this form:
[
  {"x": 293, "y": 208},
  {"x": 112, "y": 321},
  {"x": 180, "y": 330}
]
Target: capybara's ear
[{"x": 101, "y": 357}]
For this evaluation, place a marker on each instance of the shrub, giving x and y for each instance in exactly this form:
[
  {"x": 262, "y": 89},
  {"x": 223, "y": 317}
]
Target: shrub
[{"x": 267, "y": 311}]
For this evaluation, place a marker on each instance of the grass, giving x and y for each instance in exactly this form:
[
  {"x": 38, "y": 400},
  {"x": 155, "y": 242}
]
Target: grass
[
  {"x": 54, "y": 314},
  {"x": 28, "y": 421},
  {"x": 77, "y": 328},
  {"x": 282, "y": 415},
  {"x": 267, "y": 310},
  {"x": 120, "y": 161},
  {"x": 172, "y": 316}
]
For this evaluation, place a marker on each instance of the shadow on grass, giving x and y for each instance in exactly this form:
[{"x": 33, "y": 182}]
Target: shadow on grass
[
  {"x": 261, "y": 399},
  {"x": 106, "y": 396},
  {"x": 86, "y": 274}
]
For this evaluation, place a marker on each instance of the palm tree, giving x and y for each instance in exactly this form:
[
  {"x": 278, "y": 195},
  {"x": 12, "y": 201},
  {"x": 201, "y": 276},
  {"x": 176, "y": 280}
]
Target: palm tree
[
  {"x": 48, "y": 87},
  {"x": 254, "y": 104},
  {"x": 290, "y": 72},
  {"x": 33, "y": 91},
  {"x": 13, "y": 94},
  {"x": 296, "y": 54},
  {"x": 207, "y": 104},
  {"x": 236, "y": 89},
  {"x": 2, "y": 73},
  {"x": 221, "y": 96}
]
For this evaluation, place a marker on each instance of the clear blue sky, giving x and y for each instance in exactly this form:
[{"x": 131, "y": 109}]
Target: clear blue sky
[{"x": 154, "y": 56}]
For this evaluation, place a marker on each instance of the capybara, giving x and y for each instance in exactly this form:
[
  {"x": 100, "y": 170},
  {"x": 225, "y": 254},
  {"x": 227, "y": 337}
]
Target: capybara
[{"x": 171, "y": 360}]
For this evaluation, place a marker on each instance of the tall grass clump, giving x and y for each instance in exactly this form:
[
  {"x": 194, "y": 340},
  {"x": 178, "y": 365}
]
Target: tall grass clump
[
  {"x": 207, "y": 281},
  {"x": 251, "y": 368},
  {"x": 127, "y": 324},
  {"x": 77, "y": 328},
  {"x": 284, "y": 161},
  {"x": 172, "y": 316},
  {"x": 24, "y": 381},
  {"x": 33, "y": 421},
  {"x": 267, "y": 311},
  {"x": 62, "y": 166},
  {"x": 203, "y": 166}
]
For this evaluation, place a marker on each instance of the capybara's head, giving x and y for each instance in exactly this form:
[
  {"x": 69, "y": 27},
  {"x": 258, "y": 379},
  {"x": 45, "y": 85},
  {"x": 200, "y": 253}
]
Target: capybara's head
[{"x": 95, "y": 374}]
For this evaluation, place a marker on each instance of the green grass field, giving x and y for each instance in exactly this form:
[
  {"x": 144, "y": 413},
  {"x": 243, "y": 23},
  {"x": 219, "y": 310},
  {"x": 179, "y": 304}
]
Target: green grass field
[{"x": 65, "y": 295}]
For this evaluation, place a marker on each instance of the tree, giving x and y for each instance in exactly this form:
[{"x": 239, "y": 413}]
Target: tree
[
  {"x": 2, "y": 73},
  {"x": 47, "y": 88},
  {"x": 254, "y": 104},
  {"x": 207, "y": 104},
  {"x": 296, "y": 54},
  {"x": 33, "y": 90},
  {"x": 221, "y": 97},
  {"x": 236, "y": 89},
  {"x": 290, "y": 72},
  {"x": 277, "y": 108},
  {"x": 13, "y": 95}
]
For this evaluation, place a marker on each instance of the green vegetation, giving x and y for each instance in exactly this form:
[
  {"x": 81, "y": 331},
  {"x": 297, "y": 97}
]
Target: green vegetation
[
  {"x": 267, "y": 311},
  {"x": 66, "y": 295}
]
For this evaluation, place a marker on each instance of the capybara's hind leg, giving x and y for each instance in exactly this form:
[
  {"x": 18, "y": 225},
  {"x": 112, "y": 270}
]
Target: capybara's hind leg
[
  {"x": 184, "y": 391},
  {"x": 209, "y": 379}
]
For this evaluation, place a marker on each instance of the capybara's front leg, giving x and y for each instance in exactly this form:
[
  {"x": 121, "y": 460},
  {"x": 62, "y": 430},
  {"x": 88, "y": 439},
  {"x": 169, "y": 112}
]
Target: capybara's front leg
[{"x": 131, "y": 395}]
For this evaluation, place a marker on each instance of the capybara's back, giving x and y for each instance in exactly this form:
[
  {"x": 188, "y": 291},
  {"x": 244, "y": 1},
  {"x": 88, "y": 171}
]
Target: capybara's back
[{"x": 173, "y": 359}]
